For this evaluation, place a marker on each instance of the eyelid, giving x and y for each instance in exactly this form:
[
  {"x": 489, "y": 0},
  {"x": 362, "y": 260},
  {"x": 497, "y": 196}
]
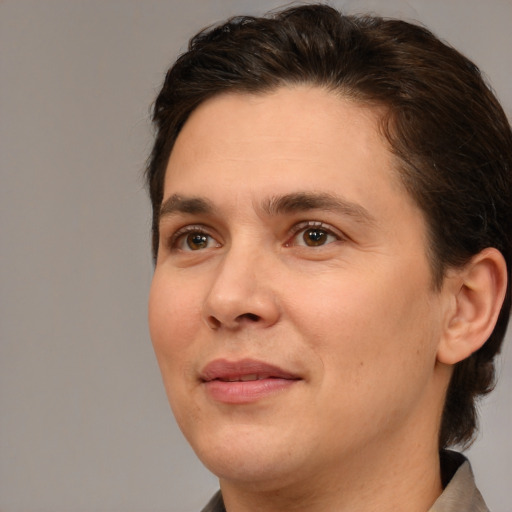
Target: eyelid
[
  {"x": 185, "y": 230},
  {"x": 301, "y": 226}
]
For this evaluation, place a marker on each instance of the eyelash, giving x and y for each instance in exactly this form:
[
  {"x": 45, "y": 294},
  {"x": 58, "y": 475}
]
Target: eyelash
[
  {"x": 187, "y": 230},
  {"x": 295, "y": 231},
  {"x": 302, "y": 227}
]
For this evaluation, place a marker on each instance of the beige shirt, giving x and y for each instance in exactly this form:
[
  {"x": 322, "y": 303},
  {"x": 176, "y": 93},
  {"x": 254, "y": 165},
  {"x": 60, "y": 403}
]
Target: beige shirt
[{"x": 459, "y": 495}]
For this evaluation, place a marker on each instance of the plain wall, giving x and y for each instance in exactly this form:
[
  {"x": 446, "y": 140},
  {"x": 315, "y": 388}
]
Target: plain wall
[{"x": 84, "y": 421}]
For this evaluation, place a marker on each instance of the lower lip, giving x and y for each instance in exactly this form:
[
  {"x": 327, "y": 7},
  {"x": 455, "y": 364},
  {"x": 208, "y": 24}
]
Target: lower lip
[{"x": 246, "y": 392}]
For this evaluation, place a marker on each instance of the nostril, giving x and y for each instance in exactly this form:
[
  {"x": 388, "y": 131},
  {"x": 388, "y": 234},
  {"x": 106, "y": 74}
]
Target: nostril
[
  {"x": 249, "y": 316},
  {"x": 213, "y": 322}
]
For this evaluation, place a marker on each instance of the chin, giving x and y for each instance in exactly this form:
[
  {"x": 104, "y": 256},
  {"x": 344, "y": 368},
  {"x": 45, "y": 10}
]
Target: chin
[{"x": 248, "y": 455}]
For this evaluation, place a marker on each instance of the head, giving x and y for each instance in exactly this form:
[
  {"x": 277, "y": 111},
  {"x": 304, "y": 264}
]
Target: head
[{"x": 449, "y": 137}]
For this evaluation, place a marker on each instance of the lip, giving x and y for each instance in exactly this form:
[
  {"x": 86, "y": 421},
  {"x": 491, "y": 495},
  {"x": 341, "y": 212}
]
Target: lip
[{"x": 244, "y": 381}]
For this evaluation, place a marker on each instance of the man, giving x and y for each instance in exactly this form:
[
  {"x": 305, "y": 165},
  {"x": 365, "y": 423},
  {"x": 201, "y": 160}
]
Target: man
[{"x": 332, "y": 234}]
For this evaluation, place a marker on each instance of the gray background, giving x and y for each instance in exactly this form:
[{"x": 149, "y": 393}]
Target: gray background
[{"x": 84, "y": 422}]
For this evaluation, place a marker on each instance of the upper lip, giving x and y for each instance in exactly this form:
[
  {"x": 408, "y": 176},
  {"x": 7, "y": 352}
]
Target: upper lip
[{"x": 223, "y": 369}]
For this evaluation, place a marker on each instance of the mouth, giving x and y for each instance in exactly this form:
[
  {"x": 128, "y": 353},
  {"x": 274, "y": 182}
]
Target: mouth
[
  {"x": 244, "y": 381},
  {"x": 245, "y": 370},
  {"x": 246, "y": 378}
]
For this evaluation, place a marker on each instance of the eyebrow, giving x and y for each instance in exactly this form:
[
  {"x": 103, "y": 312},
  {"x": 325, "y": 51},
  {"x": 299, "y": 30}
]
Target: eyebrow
[
  {"x": 304, "y": 201},
  {"x": 276, "y": 205},
  {"x": 181, "y": 204}
]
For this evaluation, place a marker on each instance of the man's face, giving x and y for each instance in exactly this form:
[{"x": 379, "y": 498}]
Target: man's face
[{"x": 290, "y": 254}]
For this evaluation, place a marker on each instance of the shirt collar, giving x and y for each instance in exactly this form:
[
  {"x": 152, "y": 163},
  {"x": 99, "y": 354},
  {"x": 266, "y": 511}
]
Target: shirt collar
[{"x": 460, "y": 493}]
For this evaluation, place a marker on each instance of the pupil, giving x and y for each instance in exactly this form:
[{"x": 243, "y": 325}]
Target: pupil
[
  {"x": 315, "y": 237},
  {"x": 197, "y": 241}
]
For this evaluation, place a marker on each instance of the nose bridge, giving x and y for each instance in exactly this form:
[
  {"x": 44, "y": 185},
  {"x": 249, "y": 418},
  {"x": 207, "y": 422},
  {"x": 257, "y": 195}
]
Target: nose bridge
[{"x": 241, "y": 290}]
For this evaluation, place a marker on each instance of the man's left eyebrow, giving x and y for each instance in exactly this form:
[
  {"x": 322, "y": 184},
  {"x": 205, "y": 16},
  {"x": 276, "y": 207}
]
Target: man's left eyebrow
[{"x": 304, "y": 201}]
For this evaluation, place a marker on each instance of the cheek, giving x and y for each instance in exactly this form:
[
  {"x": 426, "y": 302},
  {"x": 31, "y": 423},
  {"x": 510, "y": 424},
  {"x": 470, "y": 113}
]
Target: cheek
[
  {"x": 381, "y": 321},
  {"x": 174, "y": 317},
  {"x": 377, "y": 345}
]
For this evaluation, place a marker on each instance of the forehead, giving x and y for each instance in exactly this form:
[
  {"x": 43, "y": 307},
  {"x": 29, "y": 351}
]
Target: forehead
[{"x": 276, "y": 133}]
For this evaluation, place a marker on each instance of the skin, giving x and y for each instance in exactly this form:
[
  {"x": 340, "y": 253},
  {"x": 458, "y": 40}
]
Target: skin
[{"x": 355, "y": 318}]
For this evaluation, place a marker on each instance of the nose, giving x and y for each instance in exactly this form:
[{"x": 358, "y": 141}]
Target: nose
[{"x": 242, "y": 293}]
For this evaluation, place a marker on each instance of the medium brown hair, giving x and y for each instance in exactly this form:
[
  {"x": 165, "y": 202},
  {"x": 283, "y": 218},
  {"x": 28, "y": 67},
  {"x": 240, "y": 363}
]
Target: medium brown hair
[{"x": 450, "y": 136}]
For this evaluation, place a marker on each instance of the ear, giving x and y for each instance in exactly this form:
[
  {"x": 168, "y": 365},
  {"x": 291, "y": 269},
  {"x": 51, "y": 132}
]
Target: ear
[{"x": 476, "y": 293}]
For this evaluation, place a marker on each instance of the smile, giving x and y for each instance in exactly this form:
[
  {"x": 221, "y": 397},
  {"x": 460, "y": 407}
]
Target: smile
[{"x": 245, "y": 381}]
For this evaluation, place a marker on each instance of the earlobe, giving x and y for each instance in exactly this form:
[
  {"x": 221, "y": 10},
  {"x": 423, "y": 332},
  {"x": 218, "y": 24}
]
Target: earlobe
[{"x": 477, "y": 291}]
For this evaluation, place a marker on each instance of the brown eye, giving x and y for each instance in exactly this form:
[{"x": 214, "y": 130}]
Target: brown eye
[
  {"x": 315, "y": 237},
  {"x": 313, "y": 234},
  {"x": 196, "y": 241},
  {"x": 192, "y": 239}
]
